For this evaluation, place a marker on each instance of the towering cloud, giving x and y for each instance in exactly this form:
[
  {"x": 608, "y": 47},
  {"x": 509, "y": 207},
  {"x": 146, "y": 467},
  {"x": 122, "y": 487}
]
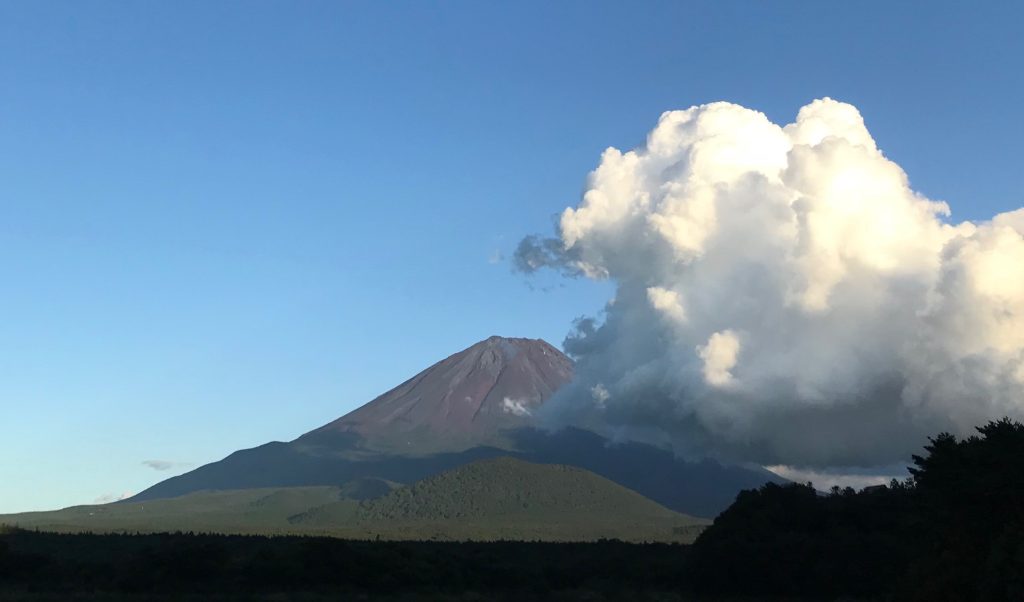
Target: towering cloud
[{"x": 784, "y": 296}]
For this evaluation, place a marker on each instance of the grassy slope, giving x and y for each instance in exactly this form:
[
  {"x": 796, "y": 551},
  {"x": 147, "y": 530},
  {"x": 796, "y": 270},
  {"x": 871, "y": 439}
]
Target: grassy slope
[
  {"x": 506, "y": 498},
  {"x": 487, "y": 500},
  {"x": 238, "y": 511}
]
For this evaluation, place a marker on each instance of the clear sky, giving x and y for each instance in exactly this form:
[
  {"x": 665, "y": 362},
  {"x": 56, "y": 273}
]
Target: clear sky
[{"x": 224, "y": 223}]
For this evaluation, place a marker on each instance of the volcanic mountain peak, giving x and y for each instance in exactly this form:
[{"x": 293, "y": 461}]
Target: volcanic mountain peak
[
  {"x": 465, "y": 399},
  {"x": 471, "y": 406}
]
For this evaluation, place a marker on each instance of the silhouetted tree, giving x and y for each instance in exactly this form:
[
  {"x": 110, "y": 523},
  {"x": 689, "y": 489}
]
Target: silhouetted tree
[
  {"x": 953, "y": 531},
  {"x": 970, "y": 496},
  {"x": 789, "y": 540}
]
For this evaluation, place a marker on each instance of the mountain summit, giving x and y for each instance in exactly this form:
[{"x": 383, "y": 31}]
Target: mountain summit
[
  {"x": 475, "y": 405},
  {"x": 466, "y": 399}
]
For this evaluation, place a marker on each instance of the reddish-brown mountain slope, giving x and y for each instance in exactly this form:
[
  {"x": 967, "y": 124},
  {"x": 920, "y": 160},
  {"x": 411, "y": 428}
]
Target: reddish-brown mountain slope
[{"x": 465, "y": 400}]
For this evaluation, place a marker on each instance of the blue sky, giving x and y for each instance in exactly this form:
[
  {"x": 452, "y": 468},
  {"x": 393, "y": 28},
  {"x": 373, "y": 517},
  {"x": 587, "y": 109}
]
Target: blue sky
[{"x": 227, "y": 223}]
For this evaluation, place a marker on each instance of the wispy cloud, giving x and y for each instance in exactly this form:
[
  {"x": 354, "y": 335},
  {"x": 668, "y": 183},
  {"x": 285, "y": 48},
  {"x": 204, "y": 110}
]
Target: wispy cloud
[
  {"x": 108, "y": 498},
  {"x": 516, "y": 407},
  {"x": 164, "y": 465}
]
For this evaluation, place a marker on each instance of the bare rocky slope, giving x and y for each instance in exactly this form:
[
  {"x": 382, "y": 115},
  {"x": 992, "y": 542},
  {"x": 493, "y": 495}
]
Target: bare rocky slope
[{"x": 468, "y": 399}]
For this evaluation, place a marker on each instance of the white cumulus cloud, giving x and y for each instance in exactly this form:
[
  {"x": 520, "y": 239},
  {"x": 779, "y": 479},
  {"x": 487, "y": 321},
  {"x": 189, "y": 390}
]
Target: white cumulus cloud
[
  {"x": 599, "y": 394},
  {"x": 719, "y": 356},
  {"x": 784, "y": 296},
  {"x": 667, "y": 302}
]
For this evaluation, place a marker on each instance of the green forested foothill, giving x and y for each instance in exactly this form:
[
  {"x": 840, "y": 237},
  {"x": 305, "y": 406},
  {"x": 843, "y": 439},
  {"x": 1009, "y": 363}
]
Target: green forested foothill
[
  {"x": 496, "y": 499},
  {"x": 952, "y": 532}
]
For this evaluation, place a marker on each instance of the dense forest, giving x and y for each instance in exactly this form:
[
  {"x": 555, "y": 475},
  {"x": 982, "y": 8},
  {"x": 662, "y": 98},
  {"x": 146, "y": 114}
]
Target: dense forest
[
  {"x": 203, "y": 565},
  {"x": 954, "y": 530}
]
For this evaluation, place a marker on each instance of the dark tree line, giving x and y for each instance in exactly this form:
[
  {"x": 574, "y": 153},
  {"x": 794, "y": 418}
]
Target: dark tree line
[
  {"x": 192, "y": 566},
  {"x": 953, "y": 531}
]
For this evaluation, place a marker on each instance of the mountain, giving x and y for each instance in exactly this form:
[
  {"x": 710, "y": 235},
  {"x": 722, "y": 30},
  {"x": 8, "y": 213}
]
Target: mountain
[
  {"x": 509, "y": 487},
  {"x": 501, "y": 498},
  {"x": 506, "y": 498},
  {"x": 476, "y": 404},
  {"x": 465, "y": 400}
]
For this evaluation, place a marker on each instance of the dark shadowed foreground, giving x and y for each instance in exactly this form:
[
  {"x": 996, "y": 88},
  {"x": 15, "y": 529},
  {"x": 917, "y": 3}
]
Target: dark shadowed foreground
[
  {"x": 203, "y": 566},
  {"x": 954, "y": 531}
]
